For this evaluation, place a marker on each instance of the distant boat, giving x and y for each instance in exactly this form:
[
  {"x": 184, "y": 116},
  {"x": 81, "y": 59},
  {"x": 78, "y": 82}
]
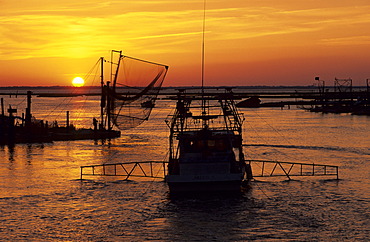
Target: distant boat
[
  {"x": 255, "y": 102},
  {"x": 252, "y": 102}
]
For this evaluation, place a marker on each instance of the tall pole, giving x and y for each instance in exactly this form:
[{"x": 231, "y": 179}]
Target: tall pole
[
  {"x": 367, "y": 91},
  {"x": 203, "y": 47},
  {"x": 108, "y": 106},
  {"x": 112, "y": 90},
  {"x": 2, "y": 107},
  {"x": 102, "y": 100},
  {"x": 116, "y": 72},
  {"x": 28, "y": 109},
  {"x": 67, "y": 120},
  {"x": 203, "y": 40}
]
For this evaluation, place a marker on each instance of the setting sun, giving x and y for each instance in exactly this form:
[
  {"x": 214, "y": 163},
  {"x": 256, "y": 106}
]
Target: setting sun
[{"x": 78, "y": 82}]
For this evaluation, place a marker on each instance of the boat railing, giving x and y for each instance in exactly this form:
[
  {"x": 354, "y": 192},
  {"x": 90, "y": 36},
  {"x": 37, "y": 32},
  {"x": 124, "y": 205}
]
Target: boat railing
[
  {"x": 266, "y": 168},
  {"x": 260, "y": 168},
  {"x": 216, "y": 128},
  {"x": 126, "y": 169}
]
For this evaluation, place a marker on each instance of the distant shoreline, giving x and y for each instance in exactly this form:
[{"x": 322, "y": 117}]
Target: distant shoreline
[
  {"x": 172, "y": 87},
  {"x": 240, "y": 92}
]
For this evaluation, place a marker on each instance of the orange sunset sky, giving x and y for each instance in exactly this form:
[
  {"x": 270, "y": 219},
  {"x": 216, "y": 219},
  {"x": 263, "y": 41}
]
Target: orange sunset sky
[{"x": 265, "y": 42}]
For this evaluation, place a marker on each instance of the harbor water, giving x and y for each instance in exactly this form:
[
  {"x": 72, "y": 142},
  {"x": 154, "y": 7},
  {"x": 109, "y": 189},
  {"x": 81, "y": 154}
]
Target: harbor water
[{"x": 43, "y": 199}]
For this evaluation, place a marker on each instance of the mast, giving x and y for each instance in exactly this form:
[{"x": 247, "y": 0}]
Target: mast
[
  {"x": 109, "y": 105},
  {"x": 102, "y": 101},
  {"x": 112, "y": 89},
  {"x": 203, "y": 38},
  {"x": 203, "y": 43},
  {"x": 117, "y": 69}
]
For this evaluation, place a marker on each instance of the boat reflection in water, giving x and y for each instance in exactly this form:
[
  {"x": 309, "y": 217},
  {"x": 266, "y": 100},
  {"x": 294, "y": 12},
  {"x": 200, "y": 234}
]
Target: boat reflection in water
[{"x": 205, "y": 145}]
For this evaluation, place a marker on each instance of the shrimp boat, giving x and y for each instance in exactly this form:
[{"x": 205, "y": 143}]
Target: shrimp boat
[
  {"x": 126, "y": 101},
  {"x": 205, "y": 144}
]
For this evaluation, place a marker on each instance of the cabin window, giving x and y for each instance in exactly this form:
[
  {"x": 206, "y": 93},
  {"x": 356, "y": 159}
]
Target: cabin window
[
  {"x": 222, "y": 145},
  {"x": 214, "y": 145},
  {"x": 192, "y": 146},
  {"x": 211, "y": 143}
]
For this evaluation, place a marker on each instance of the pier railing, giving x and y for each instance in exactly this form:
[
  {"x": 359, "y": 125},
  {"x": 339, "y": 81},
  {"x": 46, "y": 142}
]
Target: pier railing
[
  {"x": 125, "y": 169},
  {"x": 266, "y": 168}
]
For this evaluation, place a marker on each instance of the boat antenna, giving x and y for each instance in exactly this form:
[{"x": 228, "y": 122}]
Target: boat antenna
[
  {"x": 203, "y": 40},
  {"x": 203, "y": 44}
]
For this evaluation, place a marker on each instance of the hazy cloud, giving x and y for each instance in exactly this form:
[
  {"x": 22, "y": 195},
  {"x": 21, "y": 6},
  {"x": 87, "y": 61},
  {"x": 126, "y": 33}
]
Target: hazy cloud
[{"x": 77, "y": 29}]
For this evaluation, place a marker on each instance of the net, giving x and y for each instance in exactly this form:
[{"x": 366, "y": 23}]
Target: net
[{"x": 135, "y": 89}]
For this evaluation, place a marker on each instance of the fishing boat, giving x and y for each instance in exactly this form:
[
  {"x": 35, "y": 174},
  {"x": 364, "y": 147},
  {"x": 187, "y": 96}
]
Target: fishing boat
[
  {"x": 205, "y": 141},
  {"x": 205, "y": 145},
  {"x": 126, "y": 101}
]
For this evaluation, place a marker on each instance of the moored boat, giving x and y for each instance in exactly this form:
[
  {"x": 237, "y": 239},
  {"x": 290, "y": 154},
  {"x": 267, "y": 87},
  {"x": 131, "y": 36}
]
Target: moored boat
[{"x": 126, "y": 102}]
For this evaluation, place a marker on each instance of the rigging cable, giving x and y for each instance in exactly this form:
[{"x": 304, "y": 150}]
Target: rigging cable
[
  {"x": 68, "y": 100},
  {"x": 89, "y": 92},
  {"x": 280, "y": 134}
]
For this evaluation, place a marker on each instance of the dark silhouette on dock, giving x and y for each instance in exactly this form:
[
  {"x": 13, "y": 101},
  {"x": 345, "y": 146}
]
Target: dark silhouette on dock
[
  {"x": 342, "y": 100},
  {"x": 28, "y": 129},
  {"x": 118, "y": 110},
  {"x": 338, "y": 99}
]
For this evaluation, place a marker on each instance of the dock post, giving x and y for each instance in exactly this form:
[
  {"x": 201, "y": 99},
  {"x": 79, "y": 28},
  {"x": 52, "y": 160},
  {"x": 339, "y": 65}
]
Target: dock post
[
  {"x": 67, "y": 121},
  {"x": 28, "y": 109},
  {"x": 2, "y": 107}
]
